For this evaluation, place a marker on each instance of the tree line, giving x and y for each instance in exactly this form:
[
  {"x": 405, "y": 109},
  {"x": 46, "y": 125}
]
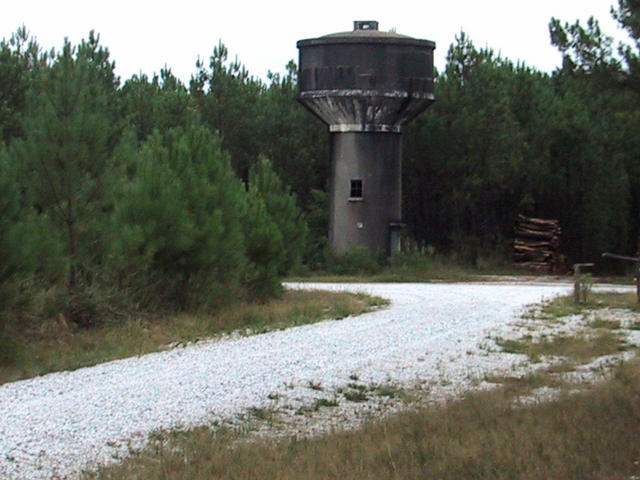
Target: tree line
[
  {"x": 153, "y": 193},
  {"x": 503, "y": 139},
  {"x": 121, "y": 196}
]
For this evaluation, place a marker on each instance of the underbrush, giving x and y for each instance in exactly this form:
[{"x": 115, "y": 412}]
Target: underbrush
[
  {"x": 56, "y": 345},
  {"x": 413, "y": 264}
]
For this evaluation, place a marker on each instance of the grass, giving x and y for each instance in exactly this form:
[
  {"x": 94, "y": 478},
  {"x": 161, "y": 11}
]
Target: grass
[
  {"x": 581, "y": 347},
  {"x": 605, "y": 323},
  {"x": 601, "y": 337},
  {"x": 563, "y": 306},
  {"x": 391, "y": 276},
  {"x": 524, "y": 384},
  {"x": 317, "y": 405},
  {"x": 389, "y": 391},
  {"x": 589, "y": 435},
  {"x": 53, "y": 347},
  {"x": 411, "y": 267}
]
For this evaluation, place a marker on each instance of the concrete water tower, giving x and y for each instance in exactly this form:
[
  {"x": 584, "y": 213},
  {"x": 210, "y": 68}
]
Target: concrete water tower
[{"x": 365, "y": 85}]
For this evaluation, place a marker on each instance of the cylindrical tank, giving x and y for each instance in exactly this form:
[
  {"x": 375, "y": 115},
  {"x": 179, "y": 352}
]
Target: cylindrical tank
[{"x": 365, "y": 85}]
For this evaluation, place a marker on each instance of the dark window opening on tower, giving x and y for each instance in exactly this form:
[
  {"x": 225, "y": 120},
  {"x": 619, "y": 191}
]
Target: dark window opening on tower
[{"x": 355, "y": 190}]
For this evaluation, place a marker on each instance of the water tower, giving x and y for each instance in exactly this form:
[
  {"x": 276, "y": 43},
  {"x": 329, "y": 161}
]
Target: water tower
[{"x": 365, "y": 85}]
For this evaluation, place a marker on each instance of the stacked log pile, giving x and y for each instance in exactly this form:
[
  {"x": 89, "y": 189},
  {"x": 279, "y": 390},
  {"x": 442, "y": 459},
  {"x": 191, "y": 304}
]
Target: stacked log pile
[{"x": 536, "y": 244}]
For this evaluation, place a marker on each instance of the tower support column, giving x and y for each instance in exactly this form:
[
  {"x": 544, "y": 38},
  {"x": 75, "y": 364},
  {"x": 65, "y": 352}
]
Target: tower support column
[{"x": 366, "y": 191}]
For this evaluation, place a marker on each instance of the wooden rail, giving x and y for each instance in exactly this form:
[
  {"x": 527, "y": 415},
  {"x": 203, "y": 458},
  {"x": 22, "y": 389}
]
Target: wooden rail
[{"x": 626, "y": 258}]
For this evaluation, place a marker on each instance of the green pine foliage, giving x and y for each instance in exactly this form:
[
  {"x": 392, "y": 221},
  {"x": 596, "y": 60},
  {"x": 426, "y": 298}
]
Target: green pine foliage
[
  {"x": 10, "y": 263},
  {"x": 176, "y": 234},
  {"x": 29, "y": 251},
  {"x": 264, "y": 244},
  {"x": 293, "y": 140},
  {"x": 30, "y": 258},
  {"x": 503, "y": 139},
  {"x": 64, "y": 162},
  {"x": 13, "y": 87},
  {"x": 134, "y": 200},
  {"x": 282, "y": 207},
  {"x": 228, "y": 99},
  {"x": 161, "y": 103},
  {"x": 465, "y": 195}
]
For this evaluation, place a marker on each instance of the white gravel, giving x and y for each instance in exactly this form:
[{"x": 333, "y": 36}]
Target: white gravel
[{"x": 60, "y": 423}]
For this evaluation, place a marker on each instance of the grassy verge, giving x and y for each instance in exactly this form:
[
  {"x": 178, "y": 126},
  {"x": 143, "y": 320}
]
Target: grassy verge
[
  {"x": 53, "y": 347},
  {"x": 358, "y": 266},
  {"x": 601, "y": 333},
  {"x": 580, "y": 348},
  {"x": 590, "y": 435},
  {"x": 563, "y": 306},
  {"x": 422, "y": 271}
]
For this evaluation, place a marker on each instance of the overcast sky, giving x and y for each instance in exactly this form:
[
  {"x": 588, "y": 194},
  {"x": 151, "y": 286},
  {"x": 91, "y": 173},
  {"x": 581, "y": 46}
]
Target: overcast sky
[{"x": 144, "y": 36}]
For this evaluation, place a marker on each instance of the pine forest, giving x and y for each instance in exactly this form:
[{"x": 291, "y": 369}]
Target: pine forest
[{"x": 148, "y": 194}]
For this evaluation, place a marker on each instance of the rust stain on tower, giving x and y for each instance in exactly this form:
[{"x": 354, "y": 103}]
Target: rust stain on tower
[{"x": 365, "y": 85}]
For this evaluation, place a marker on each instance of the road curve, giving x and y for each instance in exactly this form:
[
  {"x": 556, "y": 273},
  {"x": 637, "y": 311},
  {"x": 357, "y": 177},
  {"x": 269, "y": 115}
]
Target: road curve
[{"x": 58, "y": 424}]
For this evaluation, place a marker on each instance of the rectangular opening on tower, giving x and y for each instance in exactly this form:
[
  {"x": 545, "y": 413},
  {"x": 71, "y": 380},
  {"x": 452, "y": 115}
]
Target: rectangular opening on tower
[{"x": 355, "y": 189}]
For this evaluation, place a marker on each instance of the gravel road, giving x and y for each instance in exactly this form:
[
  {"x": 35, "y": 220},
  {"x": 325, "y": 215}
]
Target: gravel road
[{"x": 58, "y": 424}]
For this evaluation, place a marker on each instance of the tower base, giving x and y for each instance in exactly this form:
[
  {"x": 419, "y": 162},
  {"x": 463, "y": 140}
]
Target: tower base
[{"x": 365, "y": 207}]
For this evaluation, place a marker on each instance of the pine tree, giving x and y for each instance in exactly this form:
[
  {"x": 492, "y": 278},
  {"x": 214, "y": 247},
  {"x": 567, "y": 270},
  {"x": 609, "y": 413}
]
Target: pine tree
[
  {"x": 19, "y": 60},
  {"x": 228, "y": 99},
  {"x": 282, "y": 207},
  {"x": 9, "y": 214},
  {"x": 176, "y": 235},
  {"x": 264, "y": 245},
  {"x": 295, "y": 141},
  {"x": 162, "y": 103},
  {"x": 464, "y": 155},
  {"x": 69, "y": 135},
  {"x": 29, "y": 252}
]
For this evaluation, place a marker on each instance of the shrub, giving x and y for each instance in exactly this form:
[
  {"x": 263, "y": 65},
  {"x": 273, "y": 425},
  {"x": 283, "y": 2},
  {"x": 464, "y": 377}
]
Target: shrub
[{"x": 358, "y": 261}]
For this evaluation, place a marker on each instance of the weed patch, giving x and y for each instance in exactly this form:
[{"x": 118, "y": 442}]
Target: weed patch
[
  {"x": 604, "y": 323},
  {"x": 317, "y": 405},
  {"x": 580, "y": 347},
  {"x": 526, "y": 382},
  {"x": 315, "y": 385},
  {"x": 263, "y": 414},
  {"x": 564, "y": 306},
  {"x": 389, "y": 391},
  {"x": 355, "y": 396}
]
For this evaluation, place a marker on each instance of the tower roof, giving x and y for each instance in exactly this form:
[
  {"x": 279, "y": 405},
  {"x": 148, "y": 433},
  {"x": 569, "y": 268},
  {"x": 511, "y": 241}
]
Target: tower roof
[{"x": 365, "y": 31}]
